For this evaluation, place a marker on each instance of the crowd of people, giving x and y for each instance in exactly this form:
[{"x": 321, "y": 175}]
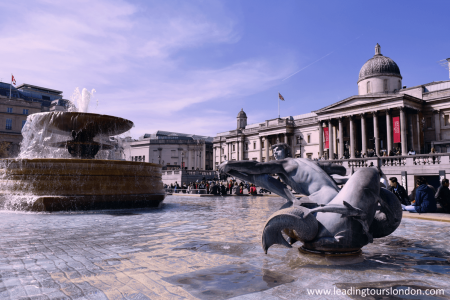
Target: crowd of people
[
  {"x": 214, "y": 187},
  {"x": 424, "y": 198}
]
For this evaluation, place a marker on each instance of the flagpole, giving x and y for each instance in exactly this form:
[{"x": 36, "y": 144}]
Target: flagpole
[
  {"x": 278, "y": 104},
  {"x": 10, "y": 87}
]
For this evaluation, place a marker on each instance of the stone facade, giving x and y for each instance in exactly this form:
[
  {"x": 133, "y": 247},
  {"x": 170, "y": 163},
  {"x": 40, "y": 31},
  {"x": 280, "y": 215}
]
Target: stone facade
[
  {"x": 173, "y": 150},
  {"x": 15, "y": 106},
  {"x": 356, "y": 125},
  {"x": 13, "y": 114}
]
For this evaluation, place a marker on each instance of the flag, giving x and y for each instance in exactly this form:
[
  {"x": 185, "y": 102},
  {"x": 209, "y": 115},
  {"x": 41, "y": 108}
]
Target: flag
[
  {"x": 281, "y": 97},
  {"x": 13, "y": 80}
]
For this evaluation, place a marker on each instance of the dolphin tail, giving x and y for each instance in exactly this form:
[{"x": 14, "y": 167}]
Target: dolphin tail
[{"x": 294, "y": 221}]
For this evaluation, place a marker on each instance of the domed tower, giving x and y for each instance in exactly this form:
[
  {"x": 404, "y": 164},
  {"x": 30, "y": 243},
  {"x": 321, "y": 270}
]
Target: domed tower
[
  {"x": 241, "y": 119},
  {"x": 380, "y": 74}
]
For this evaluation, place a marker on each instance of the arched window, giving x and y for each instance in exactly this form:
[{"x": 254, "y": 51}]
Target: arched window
[
  {"x": 368, "y": 87},
  {"x": 399, "y": 85},
  {"x": 385, "y": 85}
]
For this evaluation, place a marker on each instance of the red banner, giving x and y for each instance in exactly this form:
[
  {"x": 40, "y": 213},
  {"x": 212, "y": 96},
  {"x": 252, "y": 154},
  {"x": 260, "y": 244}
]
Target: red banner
[
  {"x": 327, "y": 137},
  {"x": 396, "y": 127}
]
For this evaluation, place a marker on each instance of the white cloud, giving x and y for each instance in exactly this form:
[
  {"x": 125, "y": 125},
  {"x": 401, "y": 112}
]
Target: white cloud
[{"x": 130, "y": 53}]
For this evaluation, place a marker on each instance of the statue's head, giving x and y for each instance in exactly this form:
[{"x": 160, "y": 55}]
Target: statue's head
[{"x": 281, "y": 151}]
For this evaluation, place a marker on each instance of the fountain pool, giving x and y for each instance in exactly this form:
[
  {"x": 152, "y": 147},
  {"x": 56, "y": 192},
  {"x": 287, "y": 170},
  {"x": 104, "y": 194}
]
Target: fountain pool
[{"x": 57, "y": 168}]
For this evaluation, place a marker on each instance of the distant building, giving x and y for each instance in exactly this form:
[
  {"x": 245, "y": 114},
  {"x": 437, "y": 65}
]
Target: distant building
[
  {"x": 15, "y": 106},
  {"x": 383, "y": 116},
  {"x": 173, "y": 150}
]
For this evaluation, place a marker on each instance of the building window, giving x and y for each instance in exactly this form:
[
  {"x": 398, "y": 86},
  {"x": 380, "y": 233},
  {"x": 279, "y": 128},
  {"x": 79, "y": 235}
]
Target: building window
[
  {"x": 368, "y": 87},
  {"x": 45, "y": 97},
  {"x": 23, "y": 123},
  {"x": 254, "y": 145},
  {"x": 143, "y": 158},
  {"x": 309, "y": 138},
  {"x": 385, "y": 85},
  {"x": 8, "y": 124},
  {"x": 246, "y": 146},
  {"x": 25, "y": 111},
  {"x": 234, "y": 148},
  {"x": 309, "y": 155},
  {"x": 399, "y": 85},
  {"x": 9, "y": 110}
]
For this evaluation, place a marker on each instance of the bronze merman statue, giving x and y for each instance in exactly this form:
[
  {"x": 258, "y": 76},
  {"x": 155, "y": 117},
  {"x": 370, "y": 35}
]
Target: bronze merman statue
[{"x": 327, "y": 219}]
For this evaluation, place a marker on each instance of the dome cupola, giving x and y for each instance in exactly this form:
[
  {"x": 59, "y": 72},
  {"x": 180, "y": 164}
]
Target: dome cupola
[{"x": 380, "y": 74}]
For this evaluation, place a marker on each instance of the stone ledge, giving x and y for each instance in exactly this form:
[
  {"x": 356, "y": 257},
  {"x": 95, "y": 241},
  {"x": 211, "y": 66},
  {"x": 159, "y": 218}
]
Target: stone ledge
[{"x": 439, "y": 217}]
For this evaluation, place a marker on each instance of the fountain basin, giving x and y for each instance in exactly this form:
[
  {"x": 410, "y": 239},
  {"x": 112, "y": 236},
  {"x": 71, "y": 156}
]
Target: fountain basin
[{"x": 74, "y": 184}]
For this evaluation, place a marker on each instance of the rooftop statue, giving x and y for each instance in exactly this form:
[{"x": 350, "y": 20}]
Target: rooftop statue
[{"x": 326, "y": 219}]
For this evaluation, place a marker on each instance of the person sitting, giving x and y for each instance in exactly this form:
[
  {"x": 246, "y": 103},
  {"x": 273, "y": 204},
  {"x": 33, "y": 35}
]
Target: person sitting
[
  {"x": 425, "y": 201},
  {"x": 443, "y": 196},
  {"x": 412, "y": 152},
  {"x": 398, "y": 191}
]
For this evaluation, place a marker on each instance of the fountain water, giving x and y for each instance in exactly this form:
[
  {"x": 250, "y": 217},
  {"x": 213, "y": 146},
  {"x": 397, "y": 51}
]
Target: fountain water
[{"x": 57, "y": 170}]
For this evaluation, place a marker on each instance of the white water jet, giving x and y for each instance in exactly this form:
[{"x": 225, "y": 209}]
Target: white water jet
[{"x": 82, "y": 100}]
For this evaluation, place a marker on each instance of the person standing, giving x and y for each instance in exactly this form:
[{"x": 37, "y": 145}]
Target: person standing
[
  {"x": 398, "y": 191},
  {"x": 443, "y": 196},
  {"x": 425, "y": 201}
]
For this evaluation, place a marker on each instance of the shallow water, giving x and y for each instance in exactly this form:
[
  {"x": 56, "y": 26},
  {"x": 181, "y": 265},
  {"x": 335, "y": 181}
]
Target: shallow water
[{"x": 207, "y": 248}]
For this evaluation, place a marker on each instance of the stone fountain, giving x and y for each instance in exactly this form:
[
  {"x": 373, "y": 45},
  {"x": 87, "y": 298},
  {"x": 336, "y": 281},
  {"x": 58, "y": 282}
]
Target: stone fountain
[{"x": 75, "y": 180}]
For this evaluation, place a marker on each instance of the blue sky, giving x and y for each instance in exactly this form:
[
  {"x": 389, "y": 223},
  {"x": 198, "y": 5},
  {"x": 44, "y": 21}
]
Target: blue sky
[{"x": 190, "y": 66}]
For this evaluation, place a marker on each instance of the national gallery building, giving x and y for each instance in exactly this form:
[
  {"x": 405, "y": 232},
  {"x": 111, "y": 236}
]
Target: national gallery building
[{"x": 384, "y": 116}]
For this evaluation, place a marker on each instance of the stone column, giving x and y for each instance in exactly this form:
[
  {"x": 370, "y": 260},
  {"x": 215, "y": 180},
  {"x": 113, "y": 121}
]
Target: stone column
[
  {"x": 363, "y": 135},
  {"x": 204, "y": 157},
  {"x": 228, "y": 152},
  {"x": 352, "y": 138},
  {"x": 241, "y": 157},
  {"x": 410, "y": 132},
  {"x": 260, "y": 149},
  {"x": 237, "y": 150},
  {"x": 389, "y": 130},
  {"x": 320, "y": 139},
  {"x": 341, "y": 138},
  {"x": 437, "y": 123},
  {"x": 376, "y": 133},
  {"x": 195, "y": 159},
  {"x": 419, "y": 146},
  {"x": 266, "y": 147},
  {"x": 403, "y": 130},
  {"x": 188, "y": 158},
  {"x": 331, "y": 140},
  {"x": 214, "y": 158},
  {"x": 285, "y": 138}
]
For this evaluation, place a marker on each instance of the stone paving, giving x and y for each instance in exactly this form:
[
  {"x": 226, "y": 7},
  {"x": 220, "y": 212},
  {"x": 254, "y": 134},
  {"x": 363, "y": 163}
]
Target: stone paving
[{"x": 201, "y": 248}]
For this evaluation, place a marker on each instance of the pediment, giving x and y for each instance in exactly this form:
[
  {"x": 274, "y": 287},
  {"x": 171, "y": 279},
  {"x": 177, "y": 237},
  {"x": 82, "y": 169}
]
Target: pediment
[{"x": 354, "y": 102}]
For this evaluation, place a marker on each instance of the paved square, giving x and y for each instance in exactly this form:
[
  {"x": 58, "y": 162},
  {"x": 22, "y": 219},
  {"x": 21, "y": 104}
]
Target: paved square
[{"x": 207, "y": 248}]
